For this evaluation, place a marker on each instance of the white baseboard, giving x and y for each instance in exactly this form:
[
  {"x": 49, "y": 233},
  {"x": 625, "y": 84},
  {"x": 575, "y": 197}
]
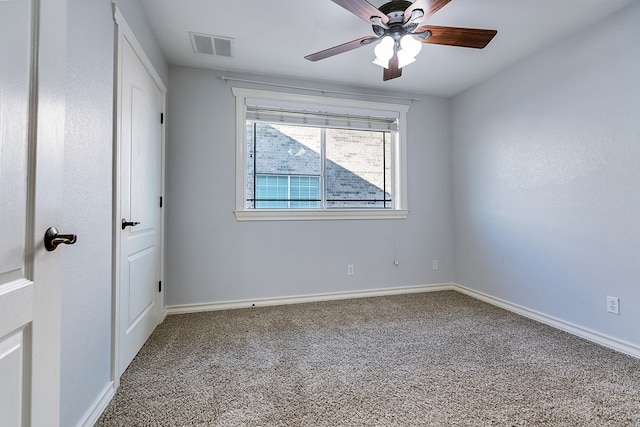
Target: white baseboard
[
  {"x": 593, "y": 336},
  {"x": 262, "y": 302},
  {"x": 98, "y": 406},
  {"x": 589, "y": 335}
]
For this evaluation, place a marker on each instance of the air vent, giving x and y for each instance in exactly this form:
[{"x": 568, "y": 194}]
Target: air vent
[{"x": 207, "y": 44}]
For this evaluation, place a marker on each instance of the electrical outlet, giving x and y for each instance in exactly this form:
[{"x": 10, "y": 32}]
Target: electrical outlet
[
  {"x": 613, "y": 305},
  {"x": 350, "y": 271},
  {"x": 434, "y": 264}
]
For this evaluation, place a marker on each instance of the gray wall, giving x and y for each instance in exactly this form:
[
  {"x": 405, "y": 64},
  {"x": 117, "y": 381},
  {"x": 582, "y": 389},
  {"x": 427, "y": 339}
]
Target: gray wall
[
  {"x": 546, "y": 169},
  {"x": 87, "y": 272},
  {"x": 86, "y": 293},
  {"x": 213, "y": 258}
]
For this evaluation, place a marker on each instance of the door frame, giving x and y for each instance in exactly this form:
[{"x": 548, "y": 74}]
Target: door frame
[{"x": 123, "y": 31}]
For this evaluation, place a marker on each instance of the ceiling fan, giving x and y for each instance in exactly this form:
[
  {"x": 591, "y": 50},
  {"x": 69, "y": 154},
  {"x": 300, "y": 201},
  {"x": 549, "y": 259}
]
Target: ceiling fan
[{"x": 399, "y": 38}]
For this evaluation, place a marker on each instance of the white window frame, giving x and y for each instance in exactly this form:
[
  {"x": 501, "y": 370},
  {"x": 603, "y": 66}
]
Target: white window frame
[{"x": 399, "y": 159}]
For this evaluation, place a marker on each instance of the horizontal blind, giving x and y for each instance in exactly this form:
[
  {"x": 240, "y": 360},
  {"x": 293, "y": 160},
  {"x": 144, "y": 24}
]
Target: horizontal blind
[{"x": 332, "y": 119}]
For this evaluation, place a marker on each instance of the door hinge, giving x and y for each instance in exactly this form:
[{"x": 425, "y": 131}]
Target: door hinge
[
  {"x": 161, "y": 118},
  {"x": 160, "y": 286},
  {"x": 160, "y": 201}
]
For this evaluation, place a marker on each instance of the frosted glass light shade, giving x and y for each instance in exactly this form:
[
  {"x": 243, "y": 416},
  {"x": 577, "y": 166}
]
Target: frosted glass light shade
[
  {"x": 404, "y": 59},
  {"x": 410, "y": 45},
  {"x": 410, "y": 48},
  {"x": 380, "y": 62},
  {"x": 384, "y": 51}
]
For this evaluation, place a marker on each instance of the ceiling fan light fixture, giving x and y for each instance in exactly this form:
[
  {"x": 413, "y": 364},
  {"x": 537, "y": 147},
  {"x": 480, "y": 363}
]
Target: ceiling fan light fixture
[
  {"x": 380, "y": 62},
  {"x": 404, "y": 59},
  {"x": 410, "y": 45},
  {"x": 409, "y": 49},
  {"x": 384, "y": 51}
]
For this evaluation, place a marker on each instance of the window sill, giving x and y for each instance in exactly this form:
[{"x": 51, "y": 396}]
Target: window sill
[{"x": 319, "y": 215}]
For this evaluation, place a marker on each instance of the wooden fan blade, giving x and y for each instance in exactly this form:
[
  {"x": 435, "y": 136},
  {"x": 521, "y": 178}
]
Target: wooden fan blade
[
  {"x": 453, "y": 36},
  {"x": 429, "y": 7},
  {"x": 393, "y": 71},
  {"x": 345, "y": 47},
  {"x": 362, "y": 9}
]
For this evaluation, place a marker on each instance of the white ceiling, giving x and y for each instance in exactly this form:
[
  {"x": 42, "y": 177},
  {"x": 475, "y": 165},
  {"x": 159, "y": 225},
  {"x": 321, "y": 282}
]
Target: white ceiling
[{"x": 272, "y": 37}]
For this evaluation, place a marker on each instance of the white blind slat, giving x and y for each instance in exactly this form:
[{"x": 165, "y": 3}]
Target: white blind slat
[{"x": 361, "y": 119}]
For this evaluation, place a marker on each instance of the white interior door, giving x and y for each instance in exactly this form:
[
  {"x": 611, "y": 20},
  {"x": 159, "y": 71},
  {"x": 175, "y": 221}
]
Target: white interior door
[
  {"x": 140, "y": 188},
  {"x": 31, "y": 161}
]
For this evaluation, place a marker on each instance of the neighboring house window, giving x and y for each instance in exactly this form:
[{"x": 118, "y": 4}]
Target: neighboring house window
[
  {"x": 304, "y": 157},
  {"x": 287, "y": 192}
]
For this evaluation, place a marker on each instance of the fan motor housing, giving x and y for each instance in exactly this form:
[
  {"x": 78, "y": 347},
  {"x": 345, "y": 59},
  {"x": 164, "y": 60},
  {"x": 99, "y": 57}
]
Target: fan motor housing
[
  {"x": 394, "y": 6},
  {"x": 394, "y": 10}
]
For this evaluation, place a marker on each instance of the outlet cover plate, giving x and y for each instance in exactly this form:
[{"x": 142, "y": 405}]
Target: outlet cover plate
[{"x": 350, "y": 271}]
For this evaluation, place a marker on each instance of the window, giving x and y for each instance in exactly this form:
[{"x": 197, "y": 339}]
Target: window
[
  {"x": 304, "y": 157},
  {"x": 285, "y": 164}
]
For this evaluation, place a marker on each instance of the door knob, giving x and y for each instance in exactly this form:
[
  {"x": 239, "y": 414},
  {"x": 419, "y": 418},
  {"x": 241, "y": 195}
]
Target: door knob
[
  {"x": 126, "y": 223},
  {"x": 52, "y": 239}
]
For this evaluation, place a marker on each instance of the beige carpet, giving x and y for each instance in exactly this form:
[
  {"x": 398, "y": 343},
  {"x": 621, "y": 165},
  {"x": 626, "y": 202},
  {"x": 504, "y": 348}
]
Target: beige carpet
[{"x": 432, "y": 359}]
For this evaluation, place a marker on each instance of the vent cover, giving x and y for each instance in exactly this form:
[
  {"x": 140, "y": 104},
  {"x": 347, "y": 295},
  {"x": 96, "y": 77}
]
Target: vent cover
[{"x": 207, "y": 44}]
